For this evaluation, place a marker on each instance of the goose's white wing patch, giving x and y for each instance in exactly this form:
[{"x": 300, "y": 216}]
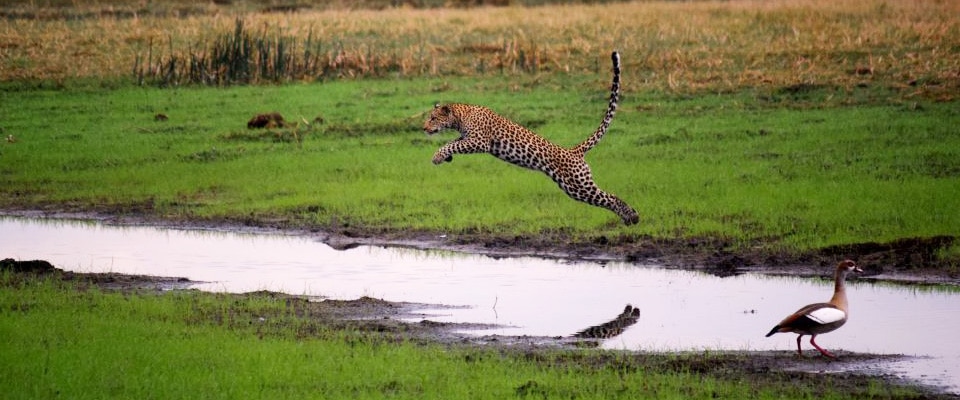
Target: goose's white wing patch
[{"x": 827, "y": 315}]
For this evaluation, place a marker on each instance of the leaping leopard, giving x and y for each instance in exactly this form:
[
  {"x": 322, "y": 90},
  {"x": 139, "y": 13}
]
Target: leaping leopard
[{"x": 483, "y": 131}]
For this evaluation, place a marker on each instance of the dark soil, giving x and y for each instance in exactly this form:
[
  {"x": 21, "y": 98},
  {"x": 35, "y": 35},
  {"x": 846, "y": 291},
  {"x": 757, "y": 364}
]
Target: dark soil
[
  {"x": 107, "y": 280},
  {"x": 910, "y": 260}
]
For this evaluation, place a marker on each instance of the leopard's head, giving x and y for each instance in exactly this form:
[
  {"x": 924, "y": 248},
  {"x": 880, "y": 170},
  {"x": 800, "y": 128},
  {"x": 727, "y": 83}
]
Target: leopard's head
[{"x": 442, "y": 117}]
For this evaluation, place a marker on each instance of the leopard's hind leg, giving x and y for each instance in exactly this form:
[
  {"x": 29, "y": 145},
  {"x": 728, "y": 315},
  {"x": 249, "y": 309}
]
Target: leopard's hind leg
[{"x": 580, "y": 186}]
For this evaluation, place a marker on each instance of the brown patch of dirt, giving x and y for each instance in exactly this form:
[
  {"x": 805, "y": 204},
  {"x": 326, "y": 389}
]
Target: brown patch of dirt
[{"x": 266, "y": 120}]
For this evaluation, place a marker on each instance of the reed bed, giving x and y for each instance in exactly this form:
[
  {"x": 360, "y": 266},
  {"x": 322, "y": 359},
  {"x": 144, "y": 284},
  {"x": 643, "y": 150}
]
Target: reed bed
[{"x": 673, "y": 46}]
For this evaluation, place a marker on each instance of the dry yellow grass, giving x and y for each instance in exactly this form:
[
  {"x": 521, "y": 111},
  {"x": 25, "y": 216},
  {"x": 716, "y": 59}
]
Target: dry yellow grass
[{"x": 681, "y": 46}]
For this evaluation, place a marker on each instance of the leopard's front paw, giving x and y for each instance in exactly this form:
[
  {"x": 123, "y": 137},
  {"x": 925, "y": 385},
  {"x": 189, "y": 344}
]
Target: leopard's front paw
[{"x": 438, "y": 159}]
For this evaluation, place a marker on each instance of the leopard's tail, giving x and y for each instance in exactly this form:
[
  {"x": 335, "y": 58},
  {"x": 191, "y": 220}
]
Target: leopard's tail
[{"x": 591, "y": 141}]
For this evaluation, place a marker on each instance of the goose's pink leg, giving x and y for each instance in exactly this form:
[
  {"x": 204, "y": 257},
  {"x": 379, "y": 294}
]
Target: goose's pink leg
[{"x": 822, "y": 351}]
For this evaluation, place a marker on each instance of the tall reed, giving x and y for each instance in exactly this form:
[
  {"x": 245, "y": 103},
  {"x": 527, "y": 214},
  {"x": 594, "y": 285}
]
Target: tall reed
[{"x": 267, "y": 55}]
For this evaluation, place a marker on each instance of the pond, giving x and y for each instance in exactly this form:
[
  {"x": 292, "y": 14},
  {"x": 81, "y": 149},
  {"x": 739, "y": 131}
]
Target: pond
[{"x": 680, "y": 310}]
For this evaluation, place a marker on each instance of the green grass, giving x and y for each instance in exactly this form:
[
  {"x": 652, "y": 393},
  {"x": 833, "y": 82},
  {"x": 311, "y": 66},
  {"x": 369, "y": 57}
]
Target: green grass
[
  {"x": 67, "y": 339},
  {"x": 789, "y": 171}
]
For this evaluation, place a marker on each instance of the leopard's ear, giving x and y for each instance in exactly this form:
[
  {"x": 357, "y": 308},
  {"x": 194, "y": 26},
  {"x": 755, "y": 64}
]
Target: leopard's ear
[{"x": 444, "y": 109}]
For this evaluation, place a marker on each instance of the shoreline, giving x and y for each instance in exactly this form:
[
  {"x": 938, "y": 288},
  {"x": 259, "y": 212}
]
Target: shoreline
[{"x": 899, "y": 262}]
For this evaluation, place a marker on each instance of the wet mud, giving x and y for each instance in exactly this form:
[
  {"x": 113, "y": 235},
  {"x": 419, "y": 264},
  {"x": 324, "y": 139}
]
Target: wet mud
[{"x": 909, "y": 261}]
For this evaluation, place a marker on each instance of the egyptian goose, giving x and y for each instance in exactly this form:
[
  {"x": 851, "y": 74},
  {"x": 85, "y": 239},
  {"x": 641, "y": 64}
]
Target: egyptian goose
[{"x": 818, "y": 318}]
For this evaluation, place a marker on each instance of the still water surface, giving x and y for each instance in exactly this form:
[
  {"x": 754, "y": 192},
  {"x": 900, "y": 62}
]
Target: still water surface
[{"x": 680, "y": 310}]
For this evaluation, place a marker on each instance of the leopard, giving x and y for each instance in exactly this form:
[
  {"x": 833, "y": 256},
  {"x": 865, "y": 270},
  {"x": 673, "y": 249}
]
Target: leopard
[{"x": 484, "y": 131}]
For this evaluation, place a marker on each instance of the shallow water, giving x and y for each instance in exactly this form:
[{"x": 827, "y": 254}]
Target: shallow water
[{"x": 680, "y": 310}]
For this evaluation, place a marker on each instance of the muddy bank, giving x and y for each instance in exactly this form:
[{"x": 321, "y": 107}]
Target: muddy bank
[
  {"x": 908, "y": 260},
  {"x": 904, "y": 261},
  {"x": 106, "y": 280}
]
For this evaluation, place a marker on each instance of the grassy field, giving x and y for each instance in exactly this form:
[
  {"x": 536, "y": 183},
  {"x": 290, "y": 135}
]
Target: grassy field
[
  {"x": 785, "y": 170},
  {"x": 71, "y": 339}
]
